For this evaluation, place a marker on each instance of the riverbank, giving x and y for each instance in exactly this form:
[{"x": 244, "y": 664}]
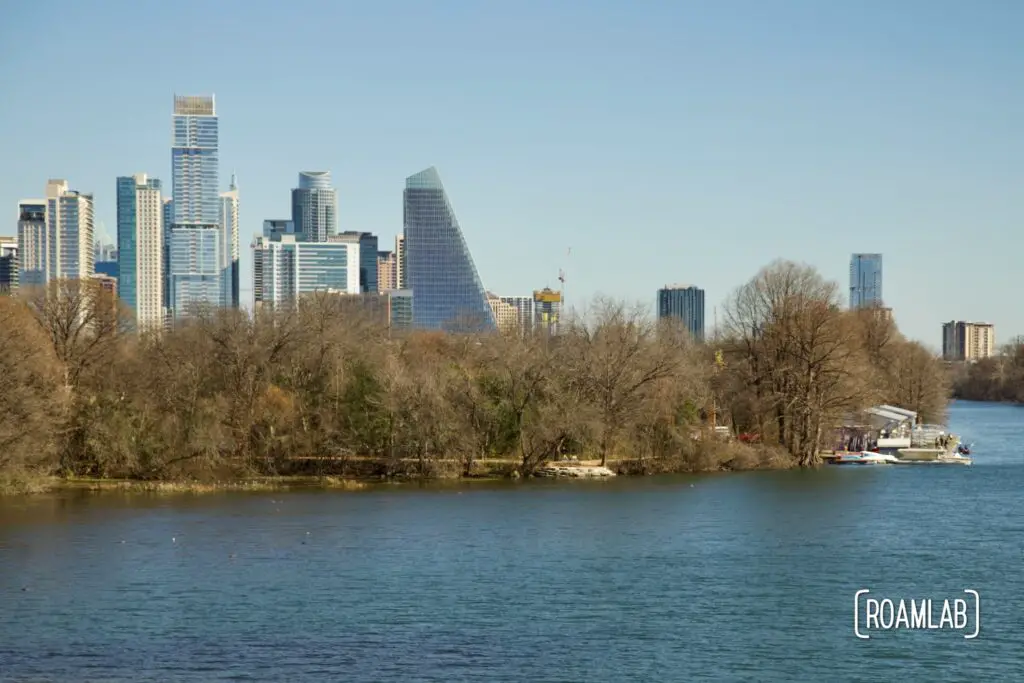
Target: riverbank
[{"x": 362, "y": 473}]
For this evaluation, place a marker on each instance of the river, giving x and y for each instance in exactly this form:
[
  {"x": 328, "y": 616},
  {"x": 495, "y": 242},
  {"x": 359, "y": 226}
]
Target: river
[{"x": 726, "y": 577}]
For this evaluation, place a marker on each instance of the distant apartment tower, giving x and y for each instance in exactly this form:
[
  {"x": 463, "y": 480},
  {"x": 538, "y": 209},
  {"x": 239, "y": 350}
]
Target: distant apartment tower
[
  {"x": 506, "y": 317},
  {"x": 8, "y": 264},
  {"x": 386, "y": 273},
  {"x": 229, "y": 244},
  {"x": 865, "y": 280},
  {"x": 684, "y": 303},
  {"x": 547, "y": 311},
  {"x": 437, "y": 266},
  {"x": 523, "y": 306},
  {"x": 400, "y": 282},
  {"x": 195, "y": 240},
  {"x": 286, "y": 269},
  {"x": 967, "y": 341},
  {"x": 275, "y": 228},
  {"x": 315, "y": 206},
  {"x": 140, "y": 248},
  {"x": 55, "y": 236}
]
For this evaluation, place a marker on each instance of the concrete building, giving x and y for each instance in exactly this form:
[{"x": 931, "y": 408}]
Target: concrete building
[
  {"x": 400, "y": 270},
  {"x": 865, "y": 280},
  {"x": 506, "y": 317},
  {"x": 967, "y": 341},
  {"x": 684, "y": 303},
  {"x": 386, "y": 271},
  {"x": 140, "y": 247},
  {"x": 524, "y": 312}
]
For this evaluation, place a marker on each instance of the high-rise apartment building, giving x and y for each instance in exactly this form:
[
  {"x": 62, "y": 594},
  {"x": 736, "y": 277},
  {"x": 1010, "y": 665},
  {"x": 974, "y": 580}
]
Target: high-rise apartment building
[
  {"x": 446, "y": 288},
  {"x": 55, "y": 236},
  {"x": 140, "y": 247},
  {"x": 968, "y": 341},
  {"x": 684, "y": 303},
  {"x": 315, "y": 206},
  {"x": 195, "y": 240},
  {"x": 523, "y": 306},
  {"x": 400, "y": 282},
  {"x": 229, "y": 244},
  {"x": 386, "y": 272},
  {"x": 506, "y": 317},
  {"x": 274, "y": 228},
  {"x": 286, "y": 269},
  {"x": 865, "y": 280},
  {"x": 8, "y": 264}
]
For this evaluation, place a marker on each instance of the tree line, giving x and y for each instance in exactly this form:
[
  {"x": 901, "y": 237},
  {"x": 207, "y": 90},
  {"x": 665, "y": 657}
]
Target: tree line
[
  {"x": 328, "y": 389},
  {"x": 999, "y": 378}
]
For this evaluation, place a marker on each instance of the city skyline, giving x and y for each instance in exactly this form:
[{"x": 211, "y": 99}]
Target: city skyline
[{"x": 850, "y": 122}]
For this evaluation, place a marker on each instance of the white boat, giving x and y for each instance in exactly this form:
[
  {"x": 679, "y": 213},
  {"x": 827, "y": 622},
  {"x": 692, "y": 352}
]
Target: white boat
[{"x": 864, "y": 458}]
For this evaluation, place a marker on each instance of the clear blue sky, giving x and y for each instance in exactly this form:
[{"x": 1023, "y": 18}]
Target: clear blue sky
[{"x": 663, "y": 141}]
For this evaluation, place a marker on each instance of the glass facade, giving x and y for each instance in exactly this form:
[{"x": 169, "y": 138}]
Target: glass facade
[
  {"x": 33, "y": 254},
  {"x": 286, "y": 269},
  {"x": 438, "y": 266},
  {"x": 865, "y": 280},
  {"x": 193, "y": 275},
  {"x": 315, "y": 206},
  {"x": 229, "y": 244},
  {"x": 8, "y": 265},
  {"x": 195, "y": 242},
  {"x": 685, "y": 304}
]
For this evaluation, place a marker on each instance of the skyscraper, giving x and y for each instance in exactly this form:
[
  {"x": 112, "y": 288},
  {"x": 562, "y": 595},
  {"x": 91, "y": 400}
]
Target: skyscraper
[
  {"x": 684, "y": 303},
  {"x": 400, "y": 282},
  {"x": 962, "y": 340},
  {"x": 865, "y": 280},
  {"x": 386, "y": 280},
  {"x": 229, "y": 243},
  {"x": 140, "y": 236},
  {"x": 55, "y": 236},
  {"x": 446, "y": 288},
  {"x": 195, "y": 243},
  {"x": 315, "y": 206}
]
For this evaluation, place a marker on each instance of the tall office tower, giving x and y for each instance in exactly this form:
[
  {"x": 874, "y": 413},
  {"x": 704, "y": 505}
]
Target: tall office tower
[
  {"x": 524, "y": 312},
  {"x": 274, "y": 228},
  {"x": 400, "y": 282},
  {"x": 140, "y": 248},
  {"x": 315, "y": 206},
  {"x": 386, "y": 273},
  {"x": 685, "y": 303},
  {"x": 367, "y": 242},
  {"x": 285, "y": 269},
  {"x": 33, "y": 255},
  {"x": 446, "y": 288},
  {"x": 8, "y": 264},
  {"x": 963, "y": 340},
  {"x": 194, "y": 243},
  {"x": 229, "y": 243},
  {"x": 865, "y": 280}
]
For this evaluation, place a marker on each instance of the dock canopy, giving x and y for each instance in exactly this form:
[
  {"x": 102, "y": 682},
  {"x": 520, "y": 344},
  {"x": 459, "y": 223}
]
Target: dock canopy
[{"x": 890, "y": 415}]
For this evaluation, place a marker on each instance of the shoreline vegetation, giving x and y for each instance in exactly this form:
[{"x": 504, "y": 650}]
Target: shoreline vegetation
[
  {"x": 328, "y": 394},
  {"x": 999, "y": 379}
]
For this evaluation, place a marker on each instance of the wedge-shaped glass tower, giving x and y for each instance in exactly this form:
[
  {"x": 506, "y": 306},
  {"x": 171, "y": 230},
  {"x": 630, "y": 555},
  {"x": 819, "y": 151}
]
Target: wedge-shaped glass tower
[{"x": 446, "y": 290}]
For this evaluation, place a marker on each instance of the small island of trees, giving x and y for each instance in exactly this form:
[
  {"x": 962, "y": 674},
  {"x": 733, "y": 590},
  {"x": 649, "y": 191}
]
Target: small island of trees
[{"x": 327, "y": 390}]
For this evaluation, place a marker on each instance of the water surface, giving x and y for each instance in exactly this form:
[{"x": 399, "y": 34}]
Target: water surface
[{"x": 734, "y": 577}]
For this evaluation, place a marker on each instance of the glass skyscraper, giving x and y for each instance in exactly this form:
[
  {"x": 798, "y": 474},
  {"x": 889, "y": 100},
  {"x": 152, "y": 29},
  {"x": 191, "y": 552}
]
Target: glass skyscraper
[
  {"x": 195, "y": 243},
  {"x": 367, "y": 242},
  {"x": 285, "y": 269},
  {"x": 229, "y": 243},
  {"x": 140, "y": 247},
  {"x": 438, "y": 268},
  {"x": 865, "y": 280},
  {"x": 315, "y": 206},
  {"x": 685, "y": 303}
]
